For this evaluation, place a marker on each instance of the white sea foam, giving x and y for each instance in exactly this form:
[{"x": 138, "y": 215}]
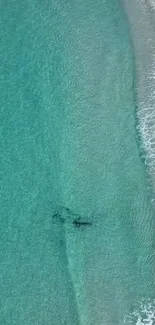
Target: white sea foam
[
  {"x": 146, "y": 120},
  {"x": 143, "y": 314},
  {"x": 141, "y": 16}
]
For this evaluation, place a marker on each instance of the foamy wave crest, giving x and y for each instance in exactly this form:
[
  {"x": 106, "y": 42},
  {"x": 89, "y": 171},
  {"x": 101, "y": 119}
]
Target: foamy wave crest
[
  {"x": 144, "y": 314},
  {"x": 141, "y": 14},
  {"x": 146, "y": 121}
]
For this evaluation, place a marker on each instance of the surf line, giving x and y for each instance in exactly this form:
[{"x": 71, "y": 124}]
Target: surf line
[{"x": 141, "y": 17}]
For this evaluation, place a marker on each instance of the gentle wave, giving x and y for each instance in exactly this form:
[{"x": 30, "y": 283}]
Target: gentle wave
[
  {"x": 141, "y": 16},
  {"x": 143, "y": 314},
  {"x": 146, "y": 120},
  {"x": 146, "y": 89}
]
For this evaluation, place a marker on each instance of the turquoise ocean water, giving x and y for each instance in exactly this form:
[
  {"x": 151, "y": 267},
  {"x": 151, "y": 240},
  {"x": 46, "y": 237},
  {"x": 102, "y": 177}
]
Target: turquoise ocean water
[{"x": 69, "y": 148}]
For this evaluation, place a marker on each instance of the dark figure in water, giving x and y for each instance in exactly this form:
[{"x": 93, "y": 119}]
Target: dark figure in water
[
  {"x": 58, "y": 216},
  {"x": 79, "y": 223}
]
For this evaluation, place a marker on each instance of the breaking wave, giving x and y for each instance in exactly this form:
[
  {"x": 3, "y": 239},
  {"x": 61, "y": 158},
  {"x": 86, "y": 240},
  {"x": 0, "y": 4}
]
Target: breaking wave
[
  {"x": 143, "y": 314},
  {"x": 146, "y": 123},
  {"x": 141, "y": 16}
]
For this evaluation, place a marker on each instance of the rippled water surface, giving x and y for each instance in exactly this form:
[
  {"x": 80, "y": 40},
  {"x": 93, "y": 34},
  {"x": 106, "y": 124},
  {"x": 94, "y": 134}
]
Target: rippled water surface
[{"x": 77, "y": 220}]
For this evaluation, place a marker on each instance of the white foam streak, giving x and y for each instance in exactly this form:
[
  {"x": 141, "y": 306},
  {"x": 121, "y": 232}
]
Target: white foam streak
[
  {"x": 141, "y": 15},
  {"x": 146, "y": 118},
  {"x": 144, "y": 314}
]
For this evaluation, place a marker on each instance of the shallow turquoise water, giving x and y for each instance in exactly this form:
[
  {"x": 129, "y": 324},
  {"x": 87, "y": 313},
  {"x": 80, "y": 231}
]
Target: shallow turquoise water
[{"x": 68, "y": 139}]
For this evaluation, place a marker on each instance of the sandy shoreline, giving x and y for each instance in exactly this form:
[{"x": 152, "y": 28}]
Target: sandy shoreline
[{"x": 141, "y": 17}]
